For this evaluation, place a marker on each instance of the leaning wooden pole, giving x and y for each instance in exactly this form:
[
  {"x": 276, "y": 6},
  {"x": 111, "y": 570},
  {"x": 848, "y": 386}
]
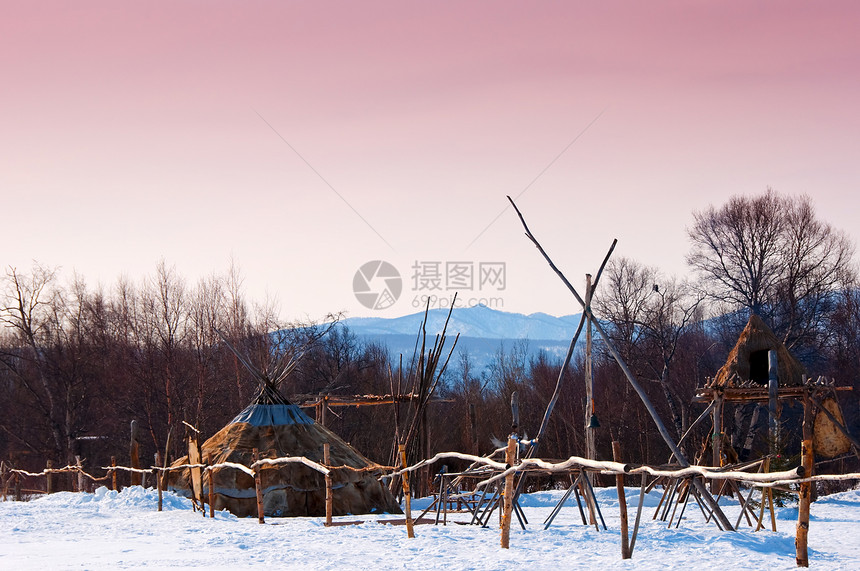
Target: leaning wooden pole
[
  {"x": 163, "y": 477},
  {"x": 407, "y": 495},
  {"x": 667, "y": 437},
  {"x": 590, "y": 445},
  {"x": 622, "y": 503},
  {"x": 510, "y": 458}
]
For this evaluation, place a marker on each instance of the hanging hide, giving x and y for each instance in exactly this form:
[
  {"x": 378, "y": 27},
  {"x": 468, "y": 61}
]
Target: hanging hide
[{"x": 827, "y": 440}]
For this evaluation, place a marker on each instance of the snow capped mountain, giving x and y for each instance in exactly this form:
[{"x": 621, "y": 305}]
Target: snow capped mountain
[
  {"x": 483, "y": 332},
  {"x": 479, "y": 321}
]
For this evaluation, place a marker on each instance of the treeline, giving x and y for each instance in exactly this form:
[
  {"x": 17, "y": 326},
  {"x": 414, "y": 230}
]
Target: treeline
[{"x": 78, "y": 364}]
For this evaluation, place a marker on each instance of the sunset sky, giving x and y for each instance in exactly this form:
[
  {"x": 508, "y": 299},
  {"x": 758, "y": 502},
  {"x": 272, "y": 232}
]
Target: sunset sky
[{"x": 303, "y": 139}]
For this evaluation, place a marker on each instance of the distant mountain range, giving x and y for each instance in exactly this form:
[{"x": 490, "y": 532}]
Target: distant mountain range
[{"x": 483, "y": 331}]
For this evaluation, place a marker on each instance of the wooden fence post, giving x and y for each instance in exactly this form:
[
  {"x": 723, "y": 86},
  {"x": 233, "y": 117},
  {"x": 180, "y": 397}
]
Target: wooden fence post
[
  {"x": 803, "y": 502},
  {"x": 211, "y": 472},
  {"x": 157, "y": 476},
  {"x": 79, "y": 464},
  {"x": 134, "y": 454},
  {"x": 510, "y": 458},
  {"x": 164, "y": 475},
  {"x": 407, "y": 494},
  {"x": 49, "y": 477},
  {"x": 328, "y": 491},
  {"x": 622, "y": 503},
  {"x": 258, "y": 484}
]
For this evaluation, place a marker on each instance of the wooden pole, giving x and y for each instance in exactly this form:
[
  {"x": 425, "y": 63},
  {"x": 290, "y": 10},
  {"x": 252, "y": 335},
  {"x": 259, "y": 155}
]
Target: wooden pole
[
  {"x": 510, "y": 458},
  {"x": 329, "y": 500},
  {"x": 211, "y": 486},
  {"x": 113, "y": 473},
  {"x": 258, "y": 484},
  {"x": 803, "y": 503},
  {"x": 49, "y": 478},
  {"x": 423, "y": 488},
  {"x": 590, "y": 449},
  {"x": 473, "y": 424},
  {"x": 164, "y": 474},
  {"x": 717, "y": 436},
  {"x": 158, "y": 482},
  {"x": 79, "y": 464},
  {"x": 406, "y": 493},
  {"x": 134, "y": 454},
  {"x": 622, "y": 503},
  {"x": 773, "y": 397},
  {"x": 158, "y": 489}
]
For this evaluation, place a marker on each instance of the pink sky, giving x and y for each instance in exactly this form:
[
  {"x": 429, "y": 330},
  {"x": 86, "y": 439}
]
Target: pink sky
[{"x": 130, "y": 132}]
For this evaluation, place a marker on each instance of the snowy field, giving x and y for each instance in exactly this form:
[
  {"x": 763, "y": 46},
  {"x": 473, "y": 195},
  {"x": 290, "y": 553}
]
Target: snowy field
[{"x": 110, "y": 530}]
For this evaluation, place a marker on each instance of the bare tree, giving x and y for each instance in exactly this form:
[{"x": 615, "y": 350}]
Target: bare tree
[
  {"x": 623, "y": 299},
  {"x": 772, "y": 256},
  {"x": 649, "y": 314}
]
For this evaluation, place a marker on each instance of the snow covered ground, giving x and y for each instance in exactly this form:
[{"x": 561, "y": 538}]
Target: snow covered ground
[{"x": 110, "y": 530}]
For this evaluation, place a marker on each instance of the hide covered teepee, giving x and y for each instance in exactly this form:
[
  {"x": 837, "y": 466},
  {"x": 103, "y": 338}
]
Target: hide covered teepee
[{"x": 278, "y": 428}]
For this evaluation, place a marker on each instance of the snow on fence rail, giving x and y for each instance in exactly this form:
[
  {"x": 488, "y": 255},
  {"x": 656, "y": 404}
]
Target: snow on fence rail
[
  {"x": 481, "y": 466},
  {"x": 795, "y": 475}
]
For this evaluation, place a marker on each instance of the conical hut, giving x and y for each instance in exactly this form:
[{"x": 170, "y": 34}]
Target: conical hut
[
  {"x": 277, "y": 428},
  {"x": 748, "y": 360}
]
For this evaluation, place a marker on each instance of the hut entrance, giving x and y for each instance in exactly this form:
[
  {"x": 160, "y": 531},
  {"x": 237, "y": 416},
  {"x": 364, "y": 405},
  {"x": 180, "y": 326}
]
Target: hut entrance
[{"x": 758, "y": 367}]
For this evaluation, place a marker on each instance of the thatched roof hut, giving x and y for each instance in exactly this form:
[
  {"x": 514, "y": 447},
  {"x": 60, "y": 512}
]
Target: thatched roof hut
[{"x": 748, "y": 361}]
